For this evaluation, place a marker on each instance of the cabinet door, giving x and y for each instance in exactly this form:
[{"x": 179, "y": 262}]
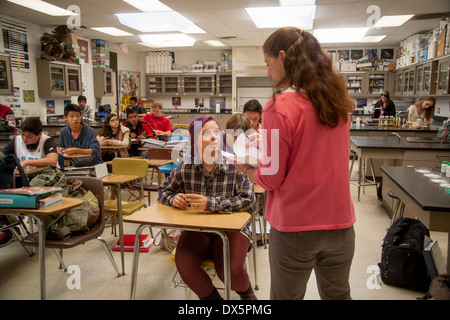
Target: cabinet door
[
  {"x": 355, "y": 83},
  {"x": 189, "y": 85},
  {"x": 57, "y": 80},
  {"x": 172, "y": 85},
  {"x": 108, "y": 83},
  {"x": 6, "y": 83},
  {"x": 154, "y": 85},
  {"x": 224, "y": 82},
  {"x": 442, "y": 78},
  {"x": 376, "y": 82},
  {"x": 73, "y": 80},
  {"x": 206, "y": 84},
  {"x": 399, "y": 87},
  {"x": 420, "y": 80}
]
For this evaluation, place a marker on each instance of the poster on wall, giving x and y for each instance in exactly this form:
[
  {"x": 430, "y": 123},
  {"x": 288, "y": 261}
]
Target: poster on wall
[
  {"x": 15, "y": 42},
  {"x": 28, "y": 96},
  {"x": 129, "y": 86},
  {"x": 50, "y": 106}
]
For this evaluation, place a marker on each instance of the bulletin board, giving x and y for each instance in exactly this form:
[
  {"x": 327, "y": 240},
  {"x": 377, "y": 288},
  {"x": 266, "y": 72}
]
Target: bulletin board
[{"x": 129, "y": 86}]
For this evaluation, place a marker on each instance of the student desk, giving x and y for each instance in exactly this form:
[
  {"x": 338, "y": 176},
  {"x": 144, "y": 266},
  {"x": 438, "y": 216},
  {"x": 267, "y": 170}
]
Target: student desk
[
  {"x": 65, "y": 204},
  {"x": 424, "y": 200},
  {"x": 162, "y": 216}
]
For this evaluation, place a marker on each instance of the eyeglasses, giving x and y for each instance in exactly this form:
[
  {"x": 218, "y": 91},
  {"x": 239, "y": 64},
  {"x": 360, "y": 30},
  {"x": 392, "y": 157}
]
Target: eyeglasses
[{"x": 209, "y": 133}]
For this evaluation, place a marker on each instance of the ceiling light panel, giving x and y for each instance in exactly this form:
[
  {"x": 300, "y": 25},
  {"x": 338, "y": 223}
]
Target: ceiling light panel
[
  {"x": 340, "y": 35},
  {"x": 297, "y": 2},
  {"x": 158, "y": 22},
  {"x": 167, "y": 40},
  {"x": 43, "y": 7},
  {"x": 148, "y": 5},
  {"x": 277, "y": 17},
  {"x": 372, "y": 39},
  {"x": 392, "y": 21},
  {"x": 113, "y": 31}
]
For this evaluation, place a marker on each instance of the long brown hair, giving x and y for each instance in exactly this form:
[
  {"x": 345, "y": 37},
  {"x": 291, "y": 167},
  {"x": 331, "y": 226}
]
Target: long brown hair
[
  {"x": 429, "y": 112},
  {"x": 106, "y": 131},
  {"x": 308, "y": 68}
]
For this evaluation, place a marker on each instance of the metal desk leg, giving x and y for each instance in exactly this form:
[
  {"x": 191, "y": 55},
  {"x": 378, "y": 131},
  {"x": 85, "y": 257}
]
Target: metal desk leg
[
  {"x": 122, "y": 245},
  {"x": 134, "y": 269},
  {"x": 226, "y": 263},
  {"x": 255, "y": 244},
  {"x": 41, "y": 231}
]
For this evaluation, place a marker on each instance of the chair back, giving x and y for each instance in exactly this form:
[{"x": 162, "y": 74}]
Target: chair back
[
  {"x": 94, "y": 185},
  {"x": 160, "y": 153},
  {"x": 132, "y": 166}
]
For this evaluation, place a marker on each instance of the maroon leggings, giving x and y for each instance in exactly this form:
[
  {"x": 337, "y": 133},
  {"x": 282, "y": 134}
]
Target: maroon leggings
[{"x": 195, "y": 247}]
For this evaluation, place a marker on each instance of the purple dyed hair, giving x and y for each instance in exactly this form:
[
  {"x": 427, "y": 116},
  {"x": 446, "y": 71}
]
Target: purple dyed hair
[{"x": 195, "y": 130}]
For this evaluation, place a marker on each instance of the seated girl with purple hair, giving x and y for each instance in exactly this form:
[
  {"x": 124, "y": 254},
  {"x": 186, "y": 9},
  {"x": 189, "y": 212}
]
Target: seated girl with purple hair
[{"x": 208, "y": 183}]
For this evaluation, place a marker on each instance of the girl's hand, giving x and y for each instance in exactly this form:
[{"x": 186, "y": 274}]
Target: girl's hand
[
  {"x": 254, "y": 140},
  {"x": 197, "y": 201},
  {"x": 179, "y": 201}
]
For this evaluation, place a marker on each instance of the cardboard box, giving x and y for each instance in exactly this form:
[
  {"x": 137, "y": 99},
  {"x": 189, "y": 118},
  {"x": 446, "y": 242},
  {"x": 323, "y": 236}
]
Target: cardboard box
[
  {"x": 348, "y": 66},
  {"x": 441, "y": 43}
]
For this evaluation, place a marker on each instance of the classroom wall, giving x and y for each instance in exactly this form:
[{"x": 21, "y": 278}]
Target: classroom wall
[{"x": 27, "y": 80}]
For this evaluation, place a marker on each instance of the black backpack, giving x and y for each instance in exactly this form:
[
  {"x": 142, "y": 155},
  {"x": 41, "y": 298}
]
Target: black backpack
[{"x": 402, "y": 262}]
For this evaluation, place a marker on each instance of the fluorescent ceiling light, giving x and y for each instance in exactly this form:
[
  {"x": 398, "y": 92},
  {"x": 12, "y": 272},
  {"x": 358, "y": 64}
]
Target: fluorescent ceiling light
[
  {"x": 158, "y": 22},
  {"x": 276, "y": 17},
  {"x": 214, "y": 43},
  {"x": 44, "y": 7},
  {"x": 166, "y": 40},
  {"x": 148, "y": 5},
  {"x": 340, "y": 35},
  {"x": 113, "y": 31},
  {"x": 372, "y": 38},
  {"x": 392, "y": 21},
  {"x": 297, "y": 2}
]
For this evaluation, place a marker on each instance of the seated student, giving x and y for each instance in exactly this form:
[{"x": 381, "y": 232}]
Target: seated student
[
  {"x": 113, "y": 134},
  {"x": 159, "y": 123},
  {"x": 423, "y": 109},
  {"x": 384, "y": 107},
  {"x": 76, "y": 137},
  {"x": 7, "y": 114},
  {"x": 134, "y": 105},
  {"x": 32, "y": 147},
  {"x": 253, "y": 110},
  {"x": 86, "y": 111},
  {"x": 207, "y": 183},
  {"x": 237, "y": 124},
  {"x": 138, "y": 130}
]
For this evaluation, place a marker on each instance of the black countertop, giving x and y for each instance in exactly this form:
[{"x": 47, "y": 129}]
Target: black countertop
[
  {"x": 354, "y": 127},
  {"x": 396, "y": 143},
  {"x": 428, "y": 195}
]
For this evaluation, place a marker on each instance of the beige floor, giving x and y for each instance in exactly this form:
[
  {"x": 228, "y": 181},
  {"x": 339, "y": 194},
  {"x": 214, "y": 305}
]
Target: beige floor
[{"x": 19, "y": 274}]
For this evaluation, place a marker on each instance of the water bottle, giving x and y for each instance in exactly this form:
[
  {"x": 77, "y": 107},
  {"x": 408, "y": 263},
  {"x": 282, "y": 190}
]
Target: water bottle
[
  {"x": 444, "y": 166},
  {"x": 419, "y": 122}
]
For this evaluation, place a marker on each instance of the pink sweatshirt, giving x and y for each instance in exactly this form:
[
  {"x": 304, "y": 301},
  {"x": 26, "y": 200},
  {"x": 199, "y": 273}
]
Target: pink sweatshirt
[{"x": 311, "y": 188}]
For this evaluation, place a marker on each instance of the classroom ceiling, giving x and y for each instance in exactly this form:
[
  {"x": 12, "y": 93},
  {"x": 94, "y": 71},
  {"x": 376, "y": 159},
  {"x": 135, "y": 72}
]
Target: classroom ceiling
[{"x": 227, "y": 20}]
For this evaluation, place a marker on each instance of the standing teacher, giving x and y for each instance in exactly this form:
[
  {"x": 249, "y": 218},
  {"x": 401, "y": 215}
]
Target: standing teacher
[{"x": 309, "y": 205}]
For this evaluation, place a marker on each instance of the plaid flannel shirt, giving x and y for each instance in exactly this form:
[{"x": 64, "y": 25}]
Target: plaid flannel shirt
[{"x": 226, "y": 189}]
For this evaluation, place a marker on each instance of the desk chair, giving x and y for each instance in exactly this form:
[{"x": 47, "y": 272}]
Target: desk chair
[
  {"x": 96, "y": 186},
  {"x": 130, "y": 166},
  {"x": 207, "y": 265}
]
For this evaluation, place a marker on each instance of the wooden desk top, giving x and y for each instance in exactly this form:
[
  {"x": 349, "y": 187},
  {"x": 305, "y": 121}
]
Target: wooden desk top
[
  {"x": 395, "y": 143},
  {"x": 112, "y": 147},
  {"x": 76, "y": 155},
  {"x": 65, "y": 204},
  {"x": 258, "y": 189},
  {"x": 115, "y": 179},
  {"x": 29, "y": 171},
  {"x": 152, "y": 163},
  {"x": 428, "y": 195},
  {"x": 162, "y": 215}
]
